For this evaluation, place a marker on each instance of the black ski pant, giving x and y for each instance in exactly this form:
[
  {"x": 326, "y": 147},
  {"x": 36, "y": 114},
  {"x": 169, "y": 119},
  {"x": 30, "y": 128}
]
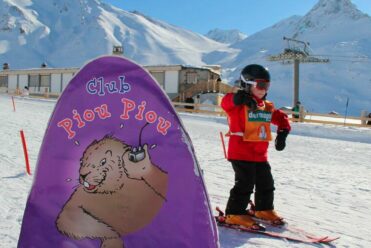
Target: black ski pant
[{"x": 248, "y": 175}]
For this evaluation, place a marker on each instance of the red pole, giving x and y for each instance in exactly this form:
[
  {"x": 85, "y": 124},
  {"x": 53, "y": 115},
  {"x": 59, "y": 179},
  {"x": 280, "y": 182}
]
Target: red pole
[
  {"x": 13, "y": 103},
  {"x": 222, "y": 138},
  {"x": 25, "y": 153}
]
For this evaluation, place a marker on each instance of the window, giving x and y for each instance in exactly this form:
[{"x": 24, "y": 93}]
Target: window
[
  {"x": 33, "y": 80},
  {"x": 37, "y": 81},
  {"x": 191, "y": 78},
  {"x": 45, "y": 81},
  {"x": 160, "y": 78},
  {"x": 4, "y": 81}
]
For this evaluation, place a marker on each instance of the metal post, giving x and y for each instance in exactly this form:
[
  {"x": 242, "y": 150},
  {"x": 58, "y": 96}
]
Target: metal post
[
  {"x": 346, "y": 111},
  {"x": 296, "y": 81}
]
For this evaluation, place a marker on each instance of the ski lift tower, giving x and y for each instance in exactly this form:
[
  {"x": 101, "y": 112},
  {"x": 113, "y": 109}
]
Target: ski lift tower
[{"x": 296, "y": 52}]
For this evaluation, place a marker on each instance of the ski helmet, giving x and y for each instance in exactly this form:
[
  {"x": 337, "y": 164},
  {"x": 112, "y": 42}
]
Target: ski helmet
[{"x": 254, "y": 75}]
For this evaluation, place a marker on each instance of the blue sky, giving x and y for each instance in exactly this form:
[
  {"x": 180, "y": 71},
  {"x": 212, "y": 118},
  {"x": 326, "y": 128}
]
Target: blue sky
[{"x": 249, "y": 16}]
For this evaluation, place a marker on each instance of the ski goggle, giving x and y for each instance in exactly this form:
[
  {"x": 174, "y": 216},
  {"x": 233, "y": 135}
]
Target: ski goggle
[{"x": 261, "y": 84}]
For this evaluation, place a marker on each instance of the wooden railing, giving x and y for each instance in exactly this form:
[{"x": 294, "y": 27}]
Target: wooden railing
[
  {"x": 309, "y": 117},
  {"x": 40, "y": 94},
  {"x": 199, "y": 108},
  {"x": 194, "y": 89}
]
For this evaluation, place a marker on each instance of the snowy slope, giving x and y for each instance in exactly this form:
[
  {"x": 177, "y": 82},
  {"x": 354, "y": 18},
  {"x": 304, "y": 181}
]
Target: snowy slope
[
  {"x": 322, "y": 185},
  {"x": 226, "y": 36},
  {"x": 66, "y": 33},
  {"x": 335, "y": 29}
]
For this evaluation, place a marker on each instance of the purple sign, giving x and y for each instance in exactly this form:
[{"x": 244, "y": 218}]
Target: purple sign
[{"x": 116, "y": 168}]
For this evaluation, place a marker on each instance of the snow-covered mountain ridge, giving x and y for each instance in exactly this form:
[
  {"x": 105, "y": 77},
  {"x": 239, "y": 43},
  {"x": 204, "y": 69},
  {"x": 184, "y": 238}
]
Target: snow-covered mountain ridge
[
  {"x": 335, "y": 29},
  {"x": 67, "y": 33},
  {"x": 226, "y": 36}
]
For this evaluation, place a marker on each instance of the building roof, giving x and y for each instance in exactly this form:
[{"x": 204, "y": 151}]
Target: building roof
[{"x": 47, "y": 70}]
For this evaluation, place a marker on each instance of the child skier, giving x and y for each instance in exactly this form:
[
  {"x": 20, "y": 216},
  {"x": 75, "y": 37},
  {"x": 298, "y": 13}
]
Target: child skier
[{"x": 249, "y": 118}]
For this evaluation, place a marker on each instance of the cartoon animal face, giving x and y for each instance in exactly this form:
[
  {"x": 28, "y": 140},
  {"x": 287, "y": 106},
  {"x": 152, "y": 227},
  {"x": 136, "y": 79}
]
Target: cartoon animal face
[{"x": 101, "y": 169}]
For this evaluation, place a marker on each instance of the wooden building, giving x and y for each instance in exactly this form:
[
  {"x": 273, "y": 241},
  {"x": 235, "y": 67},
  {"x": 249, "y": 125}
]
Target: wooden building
[{"x": 178, "y": 81}]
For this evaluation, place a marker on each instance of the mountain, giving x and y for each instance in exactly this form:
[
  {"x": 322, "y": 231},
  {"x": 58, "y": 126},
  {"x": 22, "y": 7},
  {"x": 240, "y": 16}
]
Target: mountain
[
  {"x": 226, "y": 36},
  {"x": 66, "y": 33},
  {"x": 335, "y": 29}
]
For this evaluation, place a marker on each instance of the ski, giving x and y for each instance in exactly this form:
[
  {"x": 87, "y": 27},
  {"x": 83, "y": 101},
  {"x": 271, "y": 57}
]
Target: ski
[
  {"x": 297, "y": 231},
  {"x": 251, "y": 212},
  {"x": 272, "y": 234},
  {"x": 303, "y": 237}
]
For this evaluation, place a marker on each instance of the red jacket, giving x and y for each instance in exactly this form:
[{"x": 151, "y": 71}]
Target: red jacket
[{"x": 246, "y": 150}]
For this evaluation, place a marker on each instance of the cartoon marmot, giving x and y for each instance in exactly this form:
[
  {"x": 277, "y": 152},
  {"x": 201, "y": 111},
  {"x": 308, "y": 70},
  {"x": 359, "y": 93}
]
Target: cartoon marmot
[{"x": 117, "y": 194}]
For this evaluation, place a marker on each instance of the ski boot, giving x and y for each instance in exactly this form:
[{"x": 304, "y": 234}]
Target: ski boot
[
  {"x": 271, "y": 216},
  {"x": 243, "y": 220}
]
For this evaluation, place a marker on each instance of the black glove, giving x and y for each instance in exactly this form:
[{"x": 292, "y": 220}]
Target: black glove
[
  {"x": 242, "y": 97},
  {"x": 280, "y": 141}
]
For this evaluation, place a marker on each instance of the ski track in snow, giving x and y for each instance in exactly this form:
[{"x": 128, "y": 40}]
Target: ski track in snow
[{"x": 322, "y": 184}]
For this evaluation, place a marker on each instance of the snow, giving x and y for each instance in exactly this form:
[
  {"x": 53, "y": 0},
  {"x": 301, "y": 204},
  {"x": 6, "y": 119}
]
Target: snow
[
  {"x": 226, "y": 36},
  {"x": 322, "y": 178},
  {"x": 323, "y": 87},
  {"x": 66, "y": 33},
  {"x": 53, "y": 30}
]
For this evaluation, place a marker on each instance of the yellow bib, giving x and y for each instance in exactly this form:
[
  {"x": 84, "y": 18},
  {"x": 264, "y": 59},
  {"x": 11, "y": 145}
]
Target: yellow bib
[{"x": 257, "y": 123}]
